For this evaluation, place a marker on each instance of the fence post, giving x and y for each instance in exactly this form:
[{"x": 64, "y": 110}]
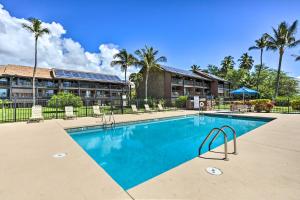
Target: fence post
[
  {"x": 122, "y": 109},
  {"x": 86, "y": 109},
  {"x": 56, "y": 109},
  {"x": 15, "y": 109},
  {"x": 3, "y": 115},
  {"x": 288, "y": 105}
]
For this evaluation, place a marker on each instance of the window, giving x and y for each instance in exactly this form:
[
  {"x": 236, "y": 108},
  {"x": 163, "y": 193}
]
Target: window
[
  {"x": 3, "y": 81},
  {"x": 22, "y": 82},
  {"x": 4, "y": 93}
]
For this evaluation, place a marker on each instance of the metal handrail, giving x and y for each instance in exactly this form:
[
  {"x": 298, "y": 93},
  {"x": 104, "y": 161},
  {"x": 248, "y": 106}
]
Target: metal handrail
[
  {"x": 225, "y": 141},
  {"x": 110, "y": 119},
  {"x": 234, "y": 138}
]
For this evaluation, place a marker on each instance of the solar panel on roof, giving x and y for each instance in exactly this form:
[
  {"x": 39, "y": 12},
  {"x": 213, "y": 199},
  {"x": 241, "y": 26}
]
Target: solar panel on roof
[{"x": 86, "y": 76}]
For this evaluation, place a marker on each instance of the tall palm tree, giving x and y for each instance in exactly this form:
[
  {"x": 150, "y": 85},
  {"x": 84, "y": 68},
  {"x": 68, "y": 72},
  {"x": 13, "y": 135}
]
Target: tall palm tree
[
  {"x": 246, "y": 62},
  {"x": 226, "y": 65},
  {"x": 37, "y": 29},
  {"x": 195, "y": 68},
  {"x": 149, "y": 60},
  {"x": 125, "y": 60},
  {"x": 260, "y": 44},
  {"x": 284, "y": 37}
]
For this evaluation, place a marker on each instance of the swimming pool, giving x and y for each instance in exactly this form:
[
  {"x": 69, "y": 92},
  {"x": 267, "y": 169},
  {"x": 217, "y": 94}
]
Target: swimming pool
[{"x": 135, "y": 152}]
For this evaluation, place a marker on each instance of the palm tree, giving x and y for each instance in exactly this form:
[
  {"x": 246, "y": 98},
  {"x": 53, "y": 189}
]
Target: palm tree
[
  {"x": 212, "y": 69},
  {"x": 226, "y": 65},
  {"x": 246, "y": 62},
  {"x": 149, "y": 61},
  {"x": 284, "y": 37},
  {"x": 37, "y": 29},
  {"x": 195, "y": 68},
  {"x": 260, "y": 44},
  {"x": 125, "y": 60},
  {"x": 136, "y": 78}
]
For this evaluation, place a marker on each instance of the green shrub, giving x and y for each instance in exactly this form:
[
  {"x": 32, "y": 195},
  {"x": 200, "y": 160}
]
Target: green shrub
[
  {"x": 262, "y": 105},
  {"x": 282, "y": 101},
  {"x": 65, "y": 99},
  {"x": 295, "y": 104},
  {"x": 180, "y": 102}
]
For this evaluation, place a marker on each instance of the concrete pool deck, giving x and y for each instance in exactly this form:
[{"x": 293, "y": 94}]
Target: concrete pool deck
[{"x": 267, "y": 166}]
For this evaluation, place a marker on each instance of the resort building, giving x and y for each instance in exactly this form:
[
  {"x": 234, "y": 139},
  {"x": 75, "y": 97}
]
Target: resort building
[
  {"x": 170, "y": 83},
  {"x": 218, "y": 86},
  {"x": 16, "y": 82}
]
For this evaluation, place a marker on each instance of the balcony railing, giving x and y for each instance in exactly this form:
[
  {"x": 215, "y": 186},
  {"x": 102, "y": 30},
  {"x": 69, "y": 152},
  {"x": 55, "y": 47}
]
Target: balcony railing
[
  {"x": 177, "y": 81},
  {"x": 188, "y": 82},
  {"x": 47, "y": 85},
  {"x": 70, "y": 85}
]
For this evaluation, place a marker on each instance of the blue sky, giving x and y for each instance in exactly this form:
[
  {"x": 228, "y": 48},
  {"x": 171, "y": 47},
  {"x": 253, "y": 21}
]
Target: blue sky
[{"x": 187, "y": 32}]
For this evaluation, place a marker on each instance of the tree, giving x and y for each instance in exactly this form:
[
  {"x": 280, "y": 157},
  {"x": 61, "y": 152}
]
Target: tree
[
  {"x": 213, "y": 69},
  {"x": 226, "y": 64},
  {"x": 284, "y": 37},
  {"x": 195, "y": 68},
  {"x": 246, "y": 62},
  {"x": 260, "y": 44},
  {"x": 149, "y": 60},
  {"x": 125, "y": 60},
  {"x": 37, "y": 29},
  {"x": 136, "y": 78}
]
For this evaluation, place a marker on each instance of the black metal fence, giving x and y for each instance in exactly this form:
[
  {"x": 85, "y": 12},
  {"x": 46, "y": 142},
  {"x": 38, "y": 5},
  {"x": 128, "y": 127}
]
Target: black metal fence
[
  {"x": 282, "y": 106},
  {"x": 20, "y": 109}
]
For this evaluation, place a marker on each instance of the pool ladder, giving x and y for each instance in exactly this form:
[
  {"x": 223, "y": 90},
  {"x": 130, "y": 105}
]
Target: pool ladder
[
  {"x": 111, "y": 120},
  {"x": 220, "y": 131}
]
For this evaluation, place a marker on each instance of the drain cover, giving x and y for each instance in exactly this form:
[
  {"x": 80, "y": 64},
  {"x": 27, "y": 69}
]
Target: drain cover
[
  {"x": 214, "y": 171},
  {"x": 59, "y": 155}
]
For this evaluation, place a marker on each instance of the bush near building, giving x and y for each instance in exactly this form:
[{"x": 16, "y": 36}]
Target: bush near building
[
  {"x": 65, "y": 99},
  {"x": 180, "y": 102}
]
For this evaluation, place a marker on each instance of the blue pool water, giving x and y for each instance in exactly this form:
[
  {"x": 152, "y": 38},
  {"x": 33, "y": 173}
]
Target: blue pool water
[{"x": 133, "y": 153}]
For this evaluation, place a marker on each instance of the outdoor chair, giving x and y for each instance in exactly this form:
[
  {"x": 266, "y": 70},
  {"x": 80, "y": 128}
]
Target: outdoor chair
[
  {"x": 69, "y": 112},
  {"x": 97, "y": 112},
  {"x": 36, "y": 114},
  {"x": 147, "y": 108},
  {"x": 134, "y": 109},
  {"x": 161, "y": 108}
]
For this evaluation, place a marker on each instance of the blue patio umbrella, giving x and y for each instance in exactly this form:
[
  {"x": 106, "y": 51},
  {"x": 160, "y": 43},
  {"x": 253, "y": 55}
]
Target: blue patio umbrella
[{"x": 243, "y": 91}]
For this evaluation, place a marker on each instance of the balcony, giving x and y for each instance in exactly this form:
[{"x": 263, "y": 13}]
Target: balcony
[
  {"x": 177, "y": 81},
  {"x": 68, "y": 84},
  {"x": 220, "y": 90},
  {"x": 47, "y": 84},
  {"x": 188, "y": 82}
]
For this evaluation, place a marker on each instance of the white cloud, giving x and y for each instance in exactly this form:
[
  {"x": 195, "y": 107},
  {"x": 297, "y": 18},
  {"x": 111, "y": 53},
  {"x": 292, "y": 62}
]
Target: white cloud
[{"x": 54, "y": 50}]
